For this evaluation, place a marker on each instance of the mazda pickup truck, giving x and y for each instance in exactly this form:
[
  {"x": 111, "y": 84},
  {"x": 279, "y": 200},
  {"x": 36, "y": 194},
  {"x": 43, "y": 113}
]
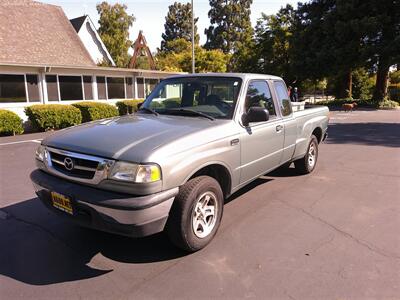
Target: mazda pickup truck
[{"x": 195, "y": 141}]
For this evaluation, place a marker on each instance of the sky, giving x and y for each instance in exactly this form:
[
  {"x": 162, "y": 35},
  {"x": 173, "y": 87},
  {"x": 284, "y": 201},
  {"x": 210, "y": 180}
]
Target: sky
[{"x": 150, "y": 14}]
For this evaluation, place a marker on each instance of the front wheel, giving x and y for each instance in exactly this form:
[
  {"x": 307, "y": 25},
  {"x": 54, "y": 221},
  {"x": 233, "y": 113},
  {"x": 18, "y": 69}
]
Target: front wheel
[
  {"x": 196, "y": 214},
  {"x": 306, "y": 164}
]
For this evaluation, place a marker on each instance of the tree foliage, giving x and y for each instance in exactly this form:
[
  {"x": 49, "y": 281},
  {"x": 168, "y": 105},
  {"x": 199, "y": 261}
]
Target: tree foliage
[
  {"x": 178, "y": 24},
  {"x": 340, "y": 36},
  {"x": 230, "y": 28},
  {"x": 270, "y": 53},
  {"x": 114, "y": 31},
  {"x": 180, "y": 58}
]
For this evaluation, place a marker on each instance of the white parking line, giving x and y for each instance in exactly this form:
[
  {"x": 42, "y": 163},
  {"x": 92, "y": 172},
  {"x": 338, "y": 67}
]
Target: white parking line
[{"x": 38, "y": 141}]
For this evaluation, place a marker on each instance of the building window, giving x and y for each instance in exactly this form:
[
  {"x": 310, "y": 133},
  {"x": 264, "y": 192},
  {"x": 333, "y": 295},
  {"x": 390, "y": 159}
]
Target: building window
[
  {"x": 101, "y": 87},
  {"x": 12, "y": 88},
  {"x": 33, "y": 87},
  {"x": 150, "y": 84},
  {"x": 87, "y": 86},
  {"x": 140, "y": 88},
  {"x": 115, "y": 87},
  {"x": 70, "y": 88},
  {"x": 129, "y": 87},
  {"x": 52, "y": 89}
]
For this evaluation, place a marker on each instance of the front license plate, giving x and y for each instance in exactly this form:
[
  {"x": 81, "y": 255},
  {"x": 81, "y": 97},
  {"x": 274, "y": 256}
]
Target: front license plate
[{"x": 62, "y": 202}]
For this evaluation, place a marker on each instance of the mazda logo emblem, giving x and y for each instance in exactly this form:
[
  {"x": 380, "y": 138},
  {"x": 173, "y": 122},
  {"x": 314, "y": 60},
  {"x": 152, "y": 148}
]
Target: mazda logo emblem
[{"x": 68, "y": 163}]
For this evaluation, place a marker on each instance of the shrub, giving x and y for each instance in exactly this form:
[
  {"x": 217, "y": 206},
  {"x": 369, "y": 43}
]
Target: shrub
[
  {"x": 339, "y": 102},
  {"x": 91, "y": 111},
  {"x": 10, "y": 123},
  {"x": 388, "y": 104},
  {"x": 128, "y": 106},
  {"x": 53, "y": 116},
  {"x": 394, "y": 92}
]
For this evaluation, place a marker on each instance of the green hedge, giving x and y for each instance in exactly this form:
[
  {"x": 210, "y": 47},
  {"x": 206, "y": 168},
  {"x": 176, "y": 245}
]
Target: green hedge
[
  {"x": 388, "y": 104},
  {"x": 340, "y": 102},
  {"x": 91, "y": 111},
  {"x": 53, "y": 116},
  {"x": 10, "y": 123},
  {"x": 127, "y": 106}
]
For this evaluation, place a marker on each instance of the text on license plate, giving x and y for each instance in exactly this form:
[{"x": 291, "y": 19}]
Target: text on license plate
[{"x": 61, "y": 202}]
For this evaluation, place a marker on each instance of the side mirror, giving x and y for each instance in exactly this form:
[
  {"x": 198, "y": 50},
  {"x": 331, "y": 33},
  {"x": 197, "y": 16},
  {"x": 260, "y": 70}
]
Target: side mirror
[{"x": 255, "y": 114}]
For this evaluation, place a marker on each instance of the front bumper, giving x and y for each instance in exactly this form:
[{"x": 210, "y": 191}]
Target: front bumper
[{"x": 113, "y": 212}]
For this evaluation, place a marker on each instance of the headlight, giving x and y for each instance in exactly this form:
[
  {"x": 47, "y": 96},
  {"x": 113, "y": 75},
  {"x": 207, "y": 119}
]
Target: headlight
[
  {"x": 148, "y": 173},
  {"x": 40, "y": 153},
  {"x": 135, "y": 173}
]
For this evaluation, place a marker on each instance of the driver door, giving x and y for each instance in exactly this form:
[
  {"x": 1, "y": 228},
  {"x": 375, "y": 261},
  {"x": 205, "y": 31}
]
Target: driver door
[{"x": 261, "y": 142}]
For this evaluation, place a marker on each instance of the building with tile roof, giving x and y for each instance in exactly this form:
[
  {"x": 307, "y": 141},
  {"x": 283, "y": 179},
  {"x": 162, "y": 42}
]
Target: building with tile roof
[{"x": 46, "y": 58}]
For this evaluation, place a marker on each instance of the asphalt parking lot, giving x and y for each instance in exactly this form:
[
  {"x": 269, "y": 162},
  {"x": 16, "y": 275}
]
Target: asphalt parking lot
[{"x": 333, "y": 234}]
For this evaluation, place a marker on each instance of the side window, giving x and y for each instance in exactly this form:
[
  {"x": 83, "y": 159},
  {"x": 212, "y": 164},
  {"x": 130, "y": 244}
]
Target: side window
[
  {"x": 259, "y": 95},
  {"x": 283, "y": 98}
]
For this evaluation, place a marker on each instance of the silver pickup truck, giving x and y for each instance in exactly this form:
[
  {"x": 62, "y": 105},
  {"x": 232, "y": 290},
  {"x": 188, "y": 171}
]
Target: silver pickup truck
[{"x": 195, "y": 141}]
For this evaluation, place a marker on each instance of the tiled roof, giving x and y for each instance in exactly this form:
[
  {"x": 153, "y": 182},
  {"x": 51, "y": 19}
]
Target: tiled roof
[
  {"x": 78, "y": 22},
  {"x": 37, "y": 33}
]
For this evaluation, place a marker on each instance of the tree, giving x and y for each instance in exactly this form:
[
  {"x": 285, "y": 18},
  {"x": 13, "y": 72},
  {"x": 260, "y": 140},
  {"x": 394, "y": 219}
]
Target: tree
[
  {"x": 270, "y": 53},
  {"x": 180, "y": 59},
  {"x": 382, "y": 39},
  {"x": 230, "y": 28},
  {"x": 336, "y": 37},
  {"x": 114, "y": 31},
  {"x": 178, "y": 24}
]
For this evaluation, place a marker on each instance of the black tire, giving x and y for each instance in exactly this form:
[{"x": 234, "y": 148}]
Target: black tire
[
  {"x": 303, "y": 165},
  {"x": 180, "y": 228}
]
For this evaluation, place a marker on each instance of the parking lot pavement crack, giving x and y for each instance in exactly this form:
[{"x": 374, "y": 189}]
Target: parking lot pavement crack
[
  {"x": 152, "y": 276},
  {"x": 288, "y": 295},
  {"x": 360, "y": 242}
]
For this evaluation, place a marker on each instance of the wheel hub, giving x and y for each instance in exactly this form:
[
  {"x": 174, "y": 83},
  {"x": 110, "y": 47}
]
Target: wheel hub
[
  {"x": 204, "y": 214},
  {"x": 311, "y": 156}
]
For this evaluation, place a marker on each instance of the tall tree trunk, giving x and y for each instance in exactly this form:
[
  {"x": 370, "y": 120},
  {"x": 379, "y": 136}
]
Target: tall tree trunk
[
  {"x": 345, "y": 84},
  {"x": 350, "y": 84},
  {"x": 381, "y": 86}
]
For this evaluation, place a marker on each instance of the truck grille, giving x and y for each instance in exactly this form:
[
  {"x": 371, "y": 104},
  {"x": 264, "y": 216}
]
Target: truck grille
[
  {"x": 73, "y": 166},
  {"x": 77, "y": 166}
]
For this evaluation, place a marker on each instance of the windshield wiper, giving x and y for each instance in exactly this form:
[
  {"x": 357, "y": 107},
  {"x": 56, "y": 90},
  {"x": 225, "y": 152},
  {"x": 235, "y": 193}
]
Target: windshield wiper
[
  {"x": 194, "y": 112},
  {"x": 149, "y": 110}
]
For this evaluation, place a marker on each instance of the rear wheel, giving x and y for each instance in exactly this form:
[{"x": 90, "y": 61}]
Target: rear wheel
[
  {"x": 196, "y": 213},
  {"x": 307, "y": 164}
]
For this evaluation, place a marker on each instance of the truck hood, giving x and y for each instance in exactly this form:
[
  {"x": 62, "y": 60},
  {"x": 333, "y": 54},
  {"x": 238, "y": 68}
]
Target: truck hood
[{"x": 129, "y": 138}]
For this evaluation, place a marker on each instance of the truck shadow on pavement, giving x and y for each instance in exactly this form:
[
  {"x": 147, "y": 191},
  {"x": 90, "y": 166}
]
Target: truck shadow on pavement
[
  {"x": 370, "y": 134},
  {"x": 40, "y": 248}
]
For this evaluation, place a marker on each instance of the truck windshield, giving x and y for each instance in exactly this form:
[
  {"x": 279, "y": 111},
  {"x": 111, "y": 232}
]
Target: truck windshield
[{"x": 206, "y": 96}]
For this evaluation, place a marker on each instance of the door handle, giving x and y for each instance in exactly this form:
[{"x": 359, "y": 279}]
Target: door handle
[
  {"x": 279, "y": 128},
  {"x": 234, "y": 142}
]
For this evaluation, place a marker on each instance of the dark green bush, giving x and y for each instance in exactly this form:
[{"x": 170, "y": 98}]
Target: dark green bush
[
  {"x": 10, "y": 123},
  {"x": 53, "y": 116},
  {"x": 394, "y": 92},
  {"x": 95, "y": 110},
  {"x": 128, "y": 106},
  {"x": 339, "y": 102}
]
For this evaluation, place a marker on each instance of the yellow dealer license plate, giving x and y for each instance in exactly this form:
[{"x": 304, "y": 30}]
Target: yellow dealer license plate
[{"x": 62, "y": 202}]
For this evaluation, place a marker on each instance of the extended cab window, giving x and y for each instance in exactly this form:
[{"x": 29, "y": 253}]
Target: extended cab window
[
  {"x": 283, "y": 98},
  {"x": 259, "y": 95}
]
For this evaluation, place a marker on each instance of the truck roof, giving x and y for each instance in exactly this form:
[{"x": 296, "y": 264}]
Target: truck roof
[{"x": 243, "y": 76}]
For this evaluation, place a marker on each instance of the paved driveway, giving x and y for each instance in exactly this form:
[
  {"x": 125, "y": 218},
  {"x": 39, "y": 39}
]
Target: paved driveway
[{"x": 330, "y": 235}]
